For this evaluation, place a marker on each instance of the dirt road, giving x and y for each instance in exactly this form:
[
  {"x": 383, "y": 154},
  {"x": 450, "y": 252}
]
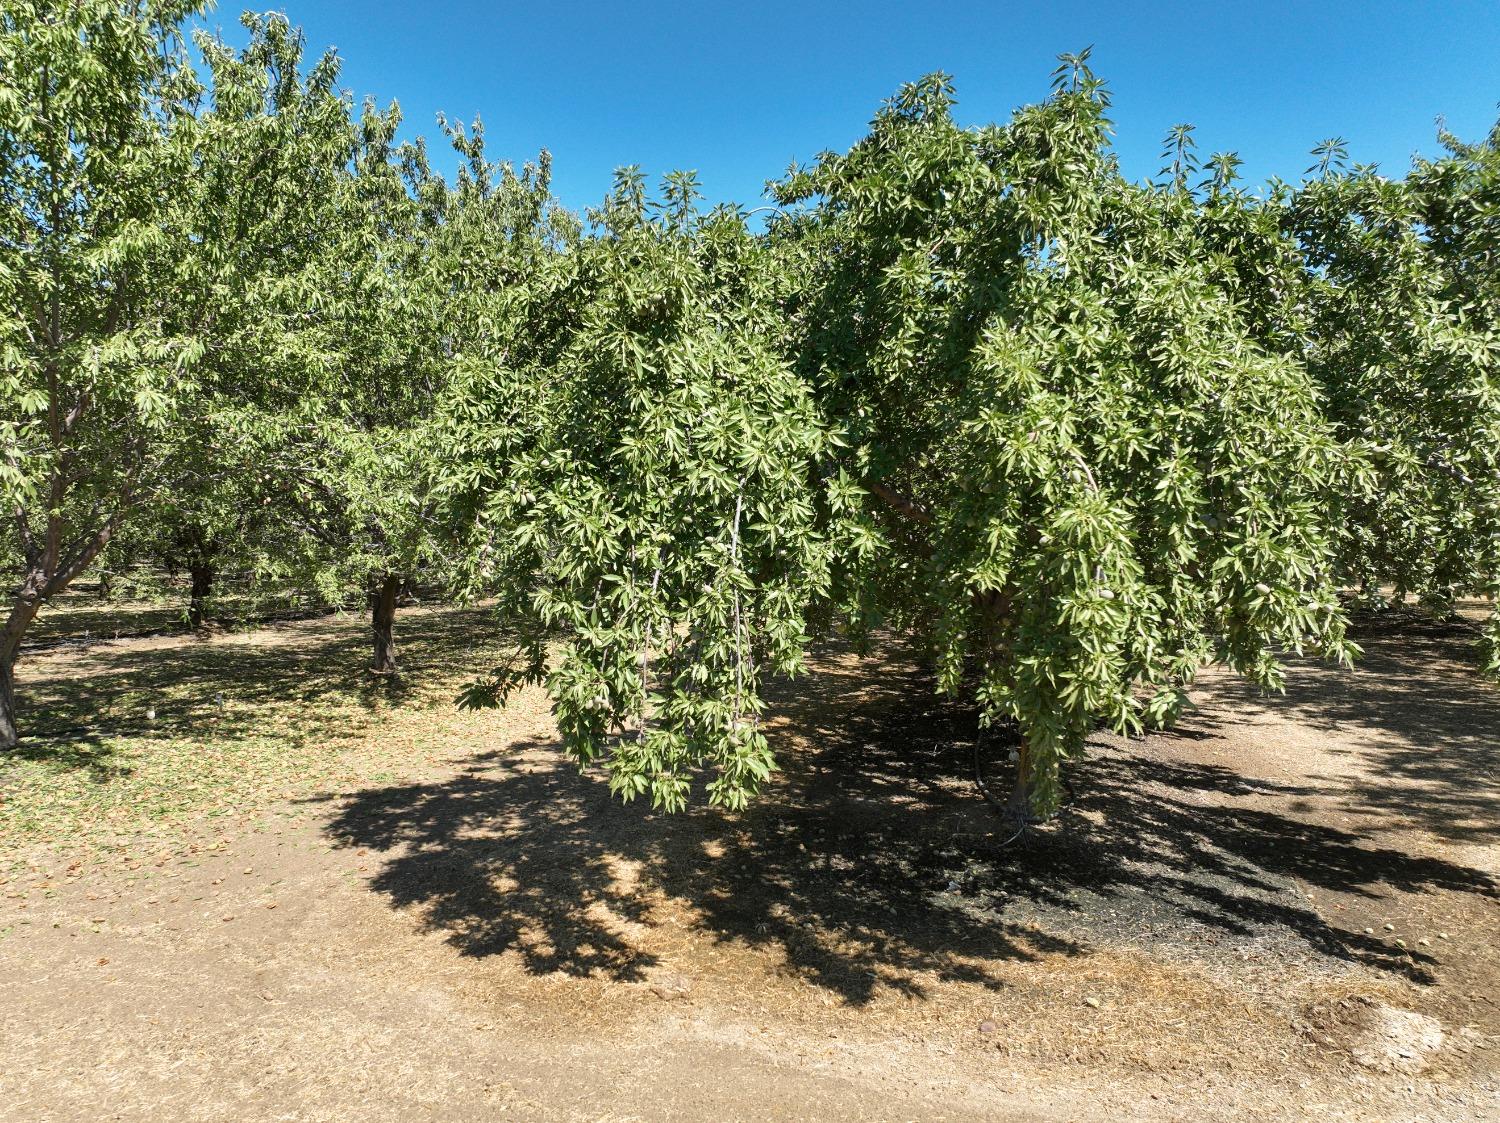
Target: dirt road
[{"x": 1271, "y": 911}]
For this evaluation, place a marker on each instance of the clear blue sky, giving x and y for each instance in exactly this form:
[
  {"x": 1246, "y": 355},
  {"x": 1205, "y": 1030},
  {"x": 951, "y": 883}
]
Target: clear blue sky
[{"x": 736, "y": 92}]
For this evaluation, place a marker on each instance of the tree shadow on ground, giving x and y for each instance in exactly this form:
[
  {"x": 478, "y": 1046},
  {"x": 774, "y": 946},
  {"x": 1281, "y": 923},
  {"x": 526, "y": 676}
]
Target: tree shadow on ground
[
  {"x": 872, "y": 860},
  {"x": 75, "y": 750},
  {"x": 80, "y": 618},
  {"x": 523, "y": 854},
  {"x": 304, "y": 678},
  {"x": 1422, "y": 724}
]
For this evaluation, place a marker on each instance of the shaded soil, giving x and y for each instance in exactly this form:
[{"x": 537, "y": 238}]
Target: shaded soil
[{"x": 486, "y": 933}]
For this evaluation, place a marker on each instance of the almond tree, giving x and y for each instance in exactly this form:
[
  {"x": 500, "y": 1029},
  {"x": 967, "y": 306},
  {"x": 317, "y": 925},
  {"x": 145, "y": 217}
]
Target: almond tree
[
  {"x": 418, "y": 270},
  {"x": 647, "y": 480},
  {"x": 1096, "y": 476},
  {"x": 151, "y": 233},
  {"x": 974, "y": 386},
  {"x": 1401, "y": 291}
]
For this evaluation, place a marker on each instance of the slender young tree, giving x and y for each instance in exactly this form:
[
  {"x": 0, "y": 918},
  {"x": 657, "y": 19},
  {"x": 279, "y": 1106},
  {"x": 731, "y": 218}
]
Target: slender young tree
[{"x": 422, "y": 267}]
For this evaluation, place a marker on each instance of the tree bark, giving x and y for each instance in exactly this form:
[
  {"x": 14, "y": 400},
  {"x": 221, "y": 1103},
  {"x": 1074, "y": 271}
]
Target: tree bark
[
  {"x": 898, "y": 501},
  {"x": 9, "y": 737},
  {"x": 383, "y": 624},
  {"x": 22, "y": 611},
  {"x": 49, "y": 571},
  {"x": 1025, "y": 786},
  {"x": 203, "y": 584}
]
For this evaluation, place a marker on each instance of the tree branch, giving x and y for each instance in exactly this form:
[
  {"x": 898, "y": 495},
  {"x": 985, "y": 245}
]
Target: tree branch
[
  {"x": 84, "y": 554},
  {"x": 898, "y": 501},
  {"x": 28, "y": 540}
]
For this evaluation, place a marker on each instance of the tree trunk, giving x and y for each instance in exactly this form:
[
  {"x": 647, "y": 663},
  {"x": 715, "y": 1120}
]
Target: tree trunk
[
  {"x": 8, "y": 735},
  {"x": 1025, "y": 787},
  {"x": 22, "y": 612},
  {"x": 383, "y": 623},
  {"x": 51, "y": 566},
  {"x": 203, "y": 584}
]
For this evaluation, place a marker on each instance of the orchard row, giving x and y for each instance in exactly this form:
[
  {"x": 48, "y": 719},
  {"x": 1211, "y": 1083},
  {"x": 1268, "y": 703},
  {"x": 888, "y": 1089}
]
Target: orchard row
[{"x": 1077, "y": 436}]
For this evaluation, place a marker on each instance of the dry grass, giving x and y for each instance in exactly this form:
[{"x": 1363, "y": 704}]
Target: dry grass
[
  {"x": 131, "y": 739},
  {"x": 862, "y": 921}
]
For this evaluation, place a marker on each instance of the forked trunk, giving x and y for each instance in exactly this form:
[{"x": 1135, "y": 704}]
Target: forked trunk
[
  {"x": 203, "y": 585},
  {"x": 383, "y": 624}
]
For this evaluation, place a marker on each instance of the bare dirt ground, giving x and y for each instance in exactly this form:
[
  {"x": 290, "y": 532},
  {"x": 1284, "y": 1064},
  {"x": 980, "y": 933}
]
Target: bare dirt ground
[{"x": 1286, "y": 908}]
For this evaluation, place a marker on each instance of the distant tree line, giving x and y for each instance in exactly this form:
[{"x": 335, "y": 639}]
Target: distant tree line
[{"x": 1075, "y": 436}]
